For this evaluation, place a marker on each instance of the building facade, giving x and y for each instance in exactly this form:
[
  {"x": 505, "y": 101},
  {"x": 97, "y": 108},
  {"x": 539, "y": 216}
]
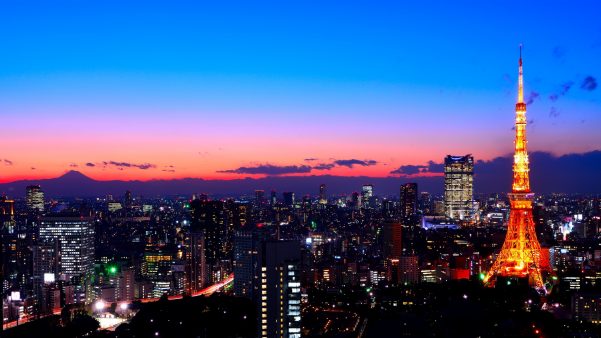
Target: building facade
[{"x": 459, "y": 186}]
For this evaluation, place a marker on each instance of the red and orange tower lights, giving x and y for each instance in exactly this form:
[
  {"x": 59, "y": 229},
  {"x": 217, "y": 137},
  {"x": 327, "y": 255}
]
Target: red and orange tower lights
[{"x": 521, "y": 252}]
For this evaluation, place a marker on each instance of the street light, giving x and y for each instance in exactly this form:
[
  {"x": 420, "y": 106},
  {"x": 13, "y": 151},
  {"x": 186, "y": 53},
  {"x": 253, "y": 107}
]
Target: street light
[{"x": 99, "y": 305}]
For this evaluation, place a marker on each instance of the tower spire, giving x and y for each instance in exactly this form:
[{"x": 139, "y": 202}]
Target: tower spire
[
  {"x": 521, "y": 179},
  {"x": 520, "y": 80}
]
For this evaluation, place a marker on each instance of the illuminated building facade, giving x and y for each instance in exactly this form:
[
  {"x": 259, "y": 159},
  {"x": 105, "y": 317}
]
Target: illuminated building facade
[
  {"x": 75, "y": 239},
  {"x": 408, "y": 201},
  {"x": 520, "y": 254},
  {"x": 208, "y": 217},
  {"x": 196, "y": 274},
  {"x": 392, "y": 240},
  {"x": 289, "y": 198},
  {"x": 247, "y": 245},
  {"x": 279, "y": 308},
  {"x": 367, "y": 192},
  {"x": 459, "y": 186},
  {"x": 323, "y": 198},
  {"x": 34, "y": 198}
]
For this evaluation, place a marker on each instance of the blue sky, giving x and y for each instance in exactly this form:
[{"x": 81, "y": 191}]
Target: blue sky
[{"x": 368, "y": 71}]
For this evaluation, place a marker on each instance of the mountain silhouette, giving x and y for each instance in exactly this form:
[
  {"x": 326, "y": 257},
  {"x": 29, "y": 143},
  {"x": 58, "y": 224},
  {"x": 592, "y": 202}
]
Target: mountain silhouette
[{"x": 570, "y": 173}]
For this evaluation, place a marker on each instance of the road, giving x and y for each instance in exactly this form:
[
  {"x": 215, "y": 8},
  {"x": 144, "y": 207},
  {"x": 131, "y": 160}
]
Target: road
[{"x": 204, "y": 292}]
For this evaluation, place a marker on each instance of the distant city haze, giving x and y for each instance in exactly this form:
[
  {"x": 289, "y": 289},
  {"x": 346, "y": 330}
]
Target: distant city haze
[{"x": 549, "y": 176}]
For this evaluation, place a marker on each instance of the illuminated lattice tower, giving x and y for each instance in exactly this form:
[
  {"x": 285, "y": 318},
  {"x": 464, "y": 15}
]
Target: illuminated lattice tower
[{"x": 520, "y": 254}]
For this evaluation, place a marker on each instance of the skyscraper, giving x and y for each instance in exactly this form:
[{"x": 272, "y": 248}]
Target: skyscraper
[
  {"x": 289, "y": 198},
  {"x": 392, "y": 240},
  {"x": 34, "y": 198},
  {"x": 279, "y": 309},
  {"x": 458, "y": 186},
  {"x": 367, "y": 192},
  {"x": 75, "y": 238},
  {"x": 259, "y": 197},
  {"x": 408, "y": 202},
  {"x": 246, "y": 260},
  {"x": 208, "y": 217},
  {"x": 196, "y": 267},
  {"x": 323, "y": 199}
]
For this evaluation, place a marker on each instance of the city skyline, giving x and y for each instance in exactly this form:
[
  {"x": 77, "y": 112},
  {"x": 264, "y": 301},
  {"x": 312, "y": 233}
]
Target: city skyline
[{"x": 257, "y": 95}]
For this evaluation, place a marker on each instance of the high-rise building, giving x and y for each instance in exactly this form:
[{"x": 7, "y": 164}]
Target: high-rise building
[
  {"x": 274, "y": 198},
  {"x": 75, "y": 238},
  {"x": 128, "y": 200},
  {"x": 425, "y": 203},
  {"x": 246, "y": 258},
  {"x": 367, "y": 192},
  {"x": 208, "y": 217},
  {"x": 64, "y": 252},
  {"x": 196, "y": 274},
  {"x": 34, "y": 198},
  {"x": 289, "y": 198},
  {"x": 408, "y": 202},
  {"x": 392, "y": 240},
  {"x": 323, "y": 198},
  {"x": 458, "y": 186},
  {"x": 7, "y": 210},
  {"x": 259, "y": 197},
  {"x": 279, "y": 308},
  {"x": 355, "y": 201}
]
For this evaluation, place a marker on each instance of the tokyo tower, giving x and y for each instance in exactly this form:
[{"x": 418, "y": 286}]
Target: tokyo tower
[{"x": 520, "y": 254}]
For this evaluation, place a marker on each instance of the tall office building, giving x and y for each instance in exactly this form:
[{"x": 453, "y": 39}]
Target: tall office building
[
  {"x": 392, "y": 240},
  {"x": 408, "y": 202},
  {"x": 75, "y": 238},
  {"x": 355, "y": 201},
  {"x": 268, "y": 272},
  {"x": 246, "y": 260},
  {"x": 279, "y": 309},
  {"x": 458, "y": 186},
  {"x": 208, "y": 217},
  {"x": 34, "y": 198},
  {"x": 64, "y": 251},
  {"x": 195, "y": 270},
  {"x": 289, "y": 198},
  {"x": 259, "y": 197},
  {"x": 323, "y": 198},
  {"x": 367, "y": 192},
  {"x": 274, "y": 198}
]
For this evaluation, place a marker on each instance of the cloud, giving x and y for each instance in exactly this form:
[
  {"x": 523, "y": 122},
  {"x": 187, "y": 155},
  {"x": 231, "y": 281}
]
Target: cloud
[
  {"x": 324, "y": 166},
  {"x": 563, "y": 91},
  {"x": 532, "y": 97},
  {"x": 73, "y": 165},
  {"x": 352, "y": 162},
  {"x": 310, "y": 159},
  {"x": 411, "y": 169},
  {"x": 269, "y": 169},
  {"x": 554, "y": 112},
  {"x": 589, "y": 83},
  {"x": 90, "y": 164},
  {"x": 33, "y": 168},
  {"x": 168, "y": 170},
  {"x": 6, "y": 161},
  {"x": 547, "y": 172},
  {"x": 122, "y": 165}
]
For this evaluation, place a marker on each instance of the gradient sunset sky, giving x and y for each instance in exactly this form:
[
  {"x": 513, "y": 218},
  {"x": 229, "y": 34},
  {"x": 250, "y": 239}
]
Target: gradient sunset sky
[{"x": 159, "y": 90}]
